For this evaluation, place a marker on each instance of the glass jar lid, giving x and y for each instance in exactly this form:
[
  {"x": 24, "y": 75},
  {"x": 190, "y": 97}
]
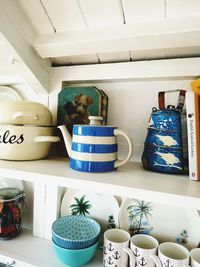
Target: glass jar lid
[
  {"x": 10, "y": 193},
  {"x": 9, "y": 182}
]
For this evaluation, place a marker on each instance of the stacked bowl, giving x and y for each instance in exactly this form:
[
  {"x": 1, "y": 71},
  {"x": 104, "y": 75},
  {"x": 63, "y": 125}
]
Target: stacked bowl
[{"x": 75, "y": 239}]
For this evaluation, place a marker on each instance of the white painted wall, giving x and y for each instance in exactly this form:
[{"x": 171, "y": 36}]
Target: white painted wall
[{"x": 130, "y": 105}]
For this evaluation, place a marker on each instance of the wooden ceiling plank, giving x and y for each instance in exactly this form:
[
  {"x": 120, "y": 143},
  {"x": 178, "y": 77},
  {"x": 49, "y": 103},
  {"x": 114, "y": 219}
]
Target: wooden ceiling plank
[
  {"x": 164, "y": 34},
  {"x": 26, "y": 62},
  {"x": 143, "y": 10},
  {"x": 102, "y": 13},
  {"x": 180, "y": 8},
  {"x": 64, "y": 14},
  {"x": 37, "y": 15}
]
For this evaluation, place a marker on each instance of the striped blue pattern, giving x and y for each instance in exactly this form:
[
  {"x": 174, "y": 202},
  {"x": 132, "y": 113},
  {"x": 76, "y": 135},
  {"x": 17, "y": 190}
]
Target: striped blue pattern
[
  {"x": 88, "y": 148},
  {"x": 89, "y": 130},
  {"x": 102, "y": 153},
  {"x": 91, "y": 166}
]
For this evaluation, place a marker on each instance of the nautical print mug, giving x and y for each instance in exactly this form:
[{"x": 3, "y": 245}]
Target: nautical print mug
[
  {"x": 116, "y": 249},
  {"x": 171, "y": 254},
  {"x": 195, "y": 257},
  {"x": 143, "y": 246}
]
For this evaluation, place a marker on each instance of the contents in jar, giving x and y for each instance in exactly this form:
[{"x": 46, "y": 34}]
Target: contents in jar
[{"x": 11, "y": 204}]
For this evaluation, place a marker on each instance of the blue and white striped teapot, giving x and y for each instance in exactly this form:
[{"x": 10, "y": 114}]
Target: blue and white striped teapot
[{"x": 93, "y": 148}]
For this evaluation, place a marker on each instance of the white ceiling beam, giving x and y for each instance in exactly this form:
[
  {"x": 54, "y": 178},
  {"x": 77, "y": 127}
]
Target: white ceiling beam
[
  {"x": 17, "y": 30},
  {"x": 174, "y": 33}
]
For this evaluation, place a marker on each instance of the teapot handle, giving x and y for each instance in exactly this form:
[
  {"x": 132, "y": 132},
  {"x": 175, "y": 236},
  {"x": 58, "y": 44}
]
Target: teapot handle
[{"x": 119, "y": 163}]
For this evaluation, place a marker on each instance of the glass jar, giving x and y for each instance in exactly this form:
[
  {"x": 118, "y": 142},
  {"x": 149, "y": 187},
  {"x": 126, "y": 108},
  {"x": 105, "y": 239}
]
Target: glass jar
[{"x": 11, "y": 205}]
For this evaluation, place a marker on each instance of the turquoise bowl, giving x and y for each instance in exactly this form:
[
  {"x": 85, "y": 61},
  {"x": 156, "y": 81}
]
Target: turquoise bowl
[
  {"x": 75, "y": 258},
  {"x": 75, "y": 232}
]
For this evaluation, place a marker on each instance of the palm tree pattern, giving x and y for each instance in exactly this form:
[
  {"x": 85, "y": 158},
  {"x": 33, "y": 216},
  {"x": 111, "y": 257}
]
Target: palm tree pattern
[
  {"x": 80, "y": 207},
  {"x": 139, "y": 212}
]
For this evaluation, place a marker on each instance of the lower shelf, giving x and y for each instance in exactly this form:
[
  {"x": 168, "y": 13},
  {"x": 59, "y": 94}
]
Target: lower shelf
[{"x": 29, "y": 251}]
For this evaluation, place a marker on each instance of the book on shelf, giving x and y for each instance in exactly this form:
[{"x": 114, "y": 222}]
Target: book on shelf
[{"x": 193, "y": 129}]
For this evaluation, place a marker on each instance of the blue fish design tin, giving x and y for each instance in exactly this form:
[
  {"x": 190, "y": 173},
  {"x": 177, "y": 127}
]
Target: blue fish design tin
[
  {"x": 163, "y": 149},
  {"x": 163, "y": 159}
]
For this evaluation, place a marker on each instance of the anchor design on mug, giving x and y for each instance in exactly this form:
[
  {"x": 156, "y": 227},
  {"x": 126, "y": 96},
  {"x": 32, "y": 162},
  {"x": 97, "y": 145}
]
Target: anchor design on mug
[{"x": 142, "y": 262}]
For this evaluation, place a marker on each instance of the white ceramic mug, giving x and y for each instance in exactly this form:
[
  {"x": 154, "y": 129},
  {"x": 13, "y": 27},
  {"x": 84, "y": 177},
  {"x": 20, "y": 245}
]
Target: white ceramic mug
[
  {"x": 195, "y": 257},
  {"x": 116, "y": 251},
  {"x": 171, "y": 255},
  {"x": 143, "y": 246}
]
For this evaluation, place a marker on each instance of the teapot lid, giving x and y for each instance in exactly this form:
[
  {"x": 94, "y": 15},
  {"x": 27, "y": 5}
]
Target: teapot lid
[{"x": 95, "y": 120}]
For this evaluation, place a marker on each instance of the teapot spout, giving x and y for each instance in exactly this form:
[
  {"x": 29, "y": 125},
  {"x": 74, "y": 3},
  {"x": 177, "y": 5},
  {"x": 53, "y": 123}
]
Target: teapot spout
[{"x": 67, "y": 138}]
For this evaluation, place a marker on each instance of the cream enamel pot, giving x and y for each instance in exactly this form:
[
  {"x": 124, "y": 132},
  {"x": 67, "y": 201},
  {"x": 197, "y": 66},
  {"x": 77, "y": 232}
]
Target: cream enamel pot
[
  {"x": 21, "y": 112},
  {"x": 25, "y": 142}
]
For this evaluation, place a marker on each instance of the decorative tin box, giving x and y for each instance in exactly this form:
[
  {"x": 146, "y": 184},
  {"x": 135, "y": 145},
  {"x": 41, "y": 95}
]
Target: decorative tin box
[
  {"x": 76, "y": 104},
  {"x": 163, "y": 148}
]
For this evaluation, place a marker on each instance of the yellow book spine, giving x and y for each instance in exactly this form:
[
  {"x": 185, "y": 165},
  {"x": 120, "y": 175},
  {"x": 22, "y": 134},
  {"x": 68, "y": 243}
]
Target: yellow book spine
[
  {"x": 196, "y": 86},
  {"x": 196, "y": 89}
]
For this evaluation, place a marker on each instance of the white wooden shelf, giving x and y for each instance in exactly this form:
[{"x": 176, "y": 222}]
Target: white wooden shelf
[
  {"x": 129, "y": 181},
  {"x": 29, "y": 251}
]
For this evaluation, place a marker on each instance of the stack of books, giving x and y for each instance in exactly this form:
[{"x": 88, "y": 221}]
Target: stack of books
[{"x": 193, "y": 129}]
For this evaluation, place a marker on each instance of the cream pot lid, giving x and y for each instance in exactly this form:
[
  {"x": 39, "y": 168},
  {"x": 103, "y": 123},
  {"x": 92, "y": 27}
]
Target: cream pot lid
[{"x": 21, "y": 112}]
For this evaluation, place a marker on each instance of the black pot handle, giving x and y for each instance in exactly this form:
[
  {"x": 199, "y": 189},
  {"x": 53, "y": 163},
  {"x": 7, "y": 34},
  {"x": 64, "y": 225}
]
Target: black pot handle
[{"x": 181, "y": 98}]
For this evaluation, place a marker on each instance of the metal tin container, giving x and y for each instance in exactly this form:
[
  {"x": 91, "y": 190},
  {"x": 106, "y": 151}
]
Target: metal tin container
[
  {"x": 163, "y": 159},
  {"x": 168, "y": 138},
  {"x": 166, "y": 119},
  {"x": 163, "y": 148}
]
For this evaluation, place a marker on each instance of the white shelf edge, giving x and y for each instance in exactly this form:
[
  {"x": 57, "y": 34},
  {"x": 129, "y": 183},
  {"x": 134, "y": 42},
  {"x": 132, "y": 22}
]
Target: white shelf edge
[
  {"x": 129, "y": 181},
  {"x": 35, "y": 252},
  {"x": 165, "y": 69}
]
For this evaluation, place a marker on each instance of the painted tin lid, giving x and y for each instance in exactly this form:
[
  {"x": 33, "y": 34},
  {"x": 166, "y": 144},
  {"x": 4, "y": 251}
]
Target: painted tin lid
[
  {"x": 10, "y": 193},
  {"x": 170, "y": 110}
]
